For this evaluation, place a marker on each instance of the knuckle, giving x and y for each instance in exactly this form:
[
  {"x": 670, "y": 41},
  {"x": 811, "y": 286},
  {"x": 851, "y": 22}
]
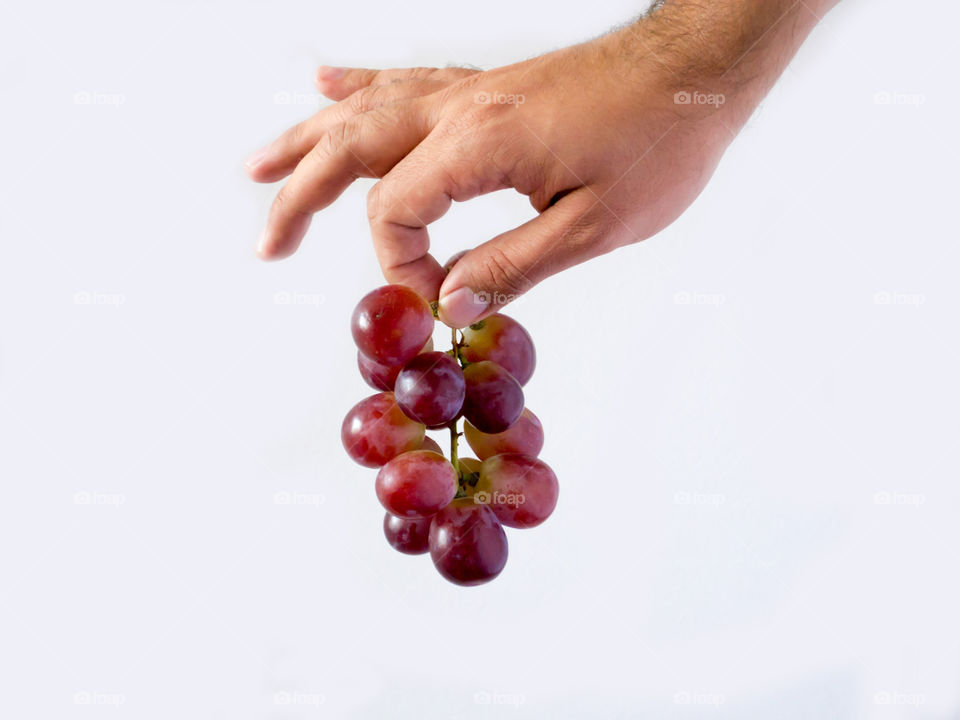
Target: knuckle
[
  {"x": 590, "y": 234},
  {"x": 420, "y": 73},
  {"x": 363, "y": 100},
  {"x": 284, "y": 202},
  {"x": 499, "y": 271},
  {"x": 297, "y": 134},
  {"x": 333, "y": 140}
]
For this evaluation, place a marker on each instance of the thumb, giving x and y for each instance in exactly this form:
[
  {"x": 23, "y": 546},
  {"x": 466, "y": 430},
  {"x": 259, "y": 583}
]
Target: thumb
[{"x": 488, "y": 277}]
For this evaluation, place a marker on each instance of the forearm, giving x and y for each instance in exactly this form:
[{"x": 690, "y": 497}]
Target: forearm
[{"x": 731, "y": 49}]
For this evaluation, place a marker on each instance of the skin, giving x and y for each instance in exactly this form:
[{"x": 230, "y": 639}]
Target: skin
[{"x": 597, "y": 135}]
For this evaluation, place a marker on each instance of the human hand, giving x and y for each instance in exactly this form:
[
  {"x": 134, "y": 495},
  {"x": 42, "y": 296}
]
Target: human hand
[{"x": 611, "y": 140}]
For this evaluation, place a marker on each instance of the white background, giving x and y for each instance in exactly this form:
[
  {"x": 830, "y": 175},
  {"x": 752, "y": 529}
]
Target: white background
[{"x": 753, "y": 415}]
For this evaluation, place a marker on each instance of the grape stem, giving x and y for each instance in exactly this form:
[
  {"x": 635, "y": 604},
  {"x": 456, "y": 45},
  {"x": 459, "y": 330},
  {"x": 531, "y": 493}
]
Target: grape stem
[
  {"x": 454, "y": 459},
  {"x": 454, "y": 431}
]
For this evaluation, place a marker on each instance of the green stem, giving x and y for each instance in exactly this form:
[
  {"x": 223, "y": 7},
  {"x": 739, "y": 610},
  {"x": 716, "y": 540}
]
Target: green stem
[
  {"x": 454, "y": 458},
  {"x": 456, "y": 346},
  {"x": 454, "y": 431}
]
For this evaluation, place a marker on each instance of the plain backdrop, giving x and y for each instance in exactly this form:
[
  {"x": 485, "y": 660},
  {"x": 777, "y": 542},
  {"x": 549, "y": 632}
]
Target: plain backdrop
[{"x": 753, "y": 415}]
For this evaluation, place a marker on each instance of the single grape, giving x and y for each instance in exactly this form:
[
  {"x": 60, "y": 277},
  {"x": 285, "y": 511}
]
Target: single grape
[
  {"x": 376, "y": 430},
  {"x": 448, "y": 265},
  {"x": 416, "y": 484},
  {"x": 430, "y": 444},
  {"x": 467, "y": 543},
  {"x": 430, "y": 388},
  {"x": 524, "y": 436},
  {"x": 521, "y": 490},
  {"x": 408, "y": 535},
  {"x": 504, "y": 341},
  {"x": 382, "y": 377},
  {"x": 494, "y": 398},
  {"x": 391, "y": 324}
]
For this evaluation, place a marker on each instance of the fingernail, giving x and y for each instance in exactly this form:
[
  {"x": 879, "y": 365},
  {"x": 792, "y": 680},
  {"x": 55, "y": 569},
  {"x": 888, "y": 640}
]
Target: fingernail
[
  {"x": 327, "y": 73},
  {"x": 461, "y": 307},
  {"x": 257, "y": 157}
]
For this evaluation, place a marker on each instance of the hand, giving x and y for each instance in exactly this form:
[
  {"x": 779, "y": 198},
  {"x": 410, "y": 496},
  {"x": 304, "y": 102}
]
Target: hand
[{"x": 611, "y": 140}]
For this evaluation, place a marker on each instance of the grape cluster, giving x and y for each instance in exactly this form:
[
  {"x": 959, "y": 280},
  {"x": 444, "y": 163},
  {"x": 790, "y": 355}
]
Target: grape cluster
[{"x": 454, "y": 508}]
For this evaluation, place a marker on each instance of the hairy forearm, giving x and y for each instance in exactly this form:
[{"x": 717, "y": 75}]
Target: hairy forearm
[{"x": 732, "y": 49}]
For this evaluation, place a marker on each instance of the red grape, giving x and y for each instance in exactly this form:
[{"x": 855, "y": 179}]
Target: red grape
[
  {"x": 448, "y": 265},
  {"x": 430, "y": 388},
  {"x": 504, "y": 341},
  {"x": 524, "y": 436},
  {"x": 416, "y": 484},
  {"x": 467, "y": 543},
  {"x": 376, "y": 430},
  {"x": 521, "y": 490},
  {"x": 391, "y": 324},
  {"x": 430, "y": 444},
  {"x": 382, "y": 377},
  {"x": 408, "y": 535},
  {"x": 494, "y": 399}
]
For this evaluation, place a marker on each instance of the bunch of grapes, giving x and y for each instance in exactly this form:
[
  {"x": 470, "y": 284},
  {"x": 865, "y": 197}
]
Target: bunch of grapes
[{"x": 454, "y": 508}]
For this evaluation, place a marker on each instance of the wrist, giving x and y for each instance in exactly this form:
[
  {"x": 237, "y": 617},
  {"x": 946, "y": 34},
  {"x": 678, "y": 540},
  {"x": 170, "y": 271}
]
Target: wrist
[{"x": 716, "y": 60}]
